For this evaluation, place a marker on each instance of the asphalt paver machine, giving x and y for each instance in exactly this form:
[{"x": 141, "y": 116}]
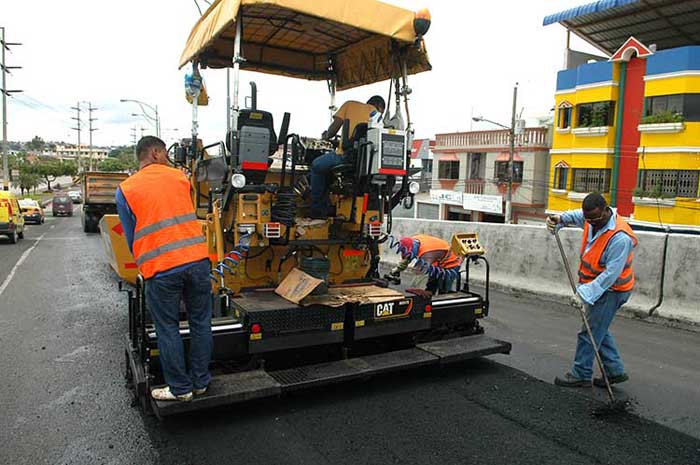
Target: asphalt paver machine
[{"x": 251, "y": 193}]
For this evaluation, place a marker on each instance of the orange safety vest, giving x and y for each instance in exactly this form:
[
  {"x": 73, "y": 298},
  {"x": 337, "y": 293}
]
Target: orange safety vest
[
  {"x": 432, "y": 244},
  {"x": 591, "y": 267},
  {"x": 167, "y": 232}
]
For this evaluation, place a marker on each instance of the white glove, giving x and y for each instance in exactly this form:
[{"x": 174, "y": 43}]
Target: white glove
[{"x": 552, "y": 221}]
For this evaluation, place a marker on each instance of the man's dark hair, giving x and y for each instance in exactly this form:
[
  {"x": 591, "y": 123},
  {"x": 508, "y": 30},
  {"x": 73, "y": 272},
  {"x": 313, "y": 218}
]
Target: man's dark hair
[
  {"x": 377, "y": 102},
  {"x": 593, "y": 201},
  {"x": 146, "y": 144}
]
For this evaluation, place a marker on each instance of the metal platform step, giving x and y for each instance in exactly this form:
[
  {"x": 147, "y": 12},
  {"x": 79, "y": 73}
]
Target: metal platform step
[{"x": 249, "y": 385}]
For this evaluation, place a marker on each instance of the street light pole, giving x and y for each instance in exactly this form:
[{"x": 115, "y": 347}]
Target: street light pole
[
  {"x": 153, "y": 120},
  {"x": 511, "y": 164}
]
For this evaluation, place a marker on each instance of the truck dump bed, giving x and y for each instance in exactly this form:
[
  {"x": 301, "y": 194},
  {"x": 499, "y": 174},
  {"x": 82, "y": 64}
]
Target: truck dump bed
[{"x": 101, "y": 187}]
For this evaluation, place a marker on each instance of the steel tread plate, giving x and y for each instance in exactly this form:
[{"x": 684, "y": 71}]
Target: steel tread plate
[
  {"x": 224, "y": 390},
  {"x": 344, "y": 370},
  {"x": 463, "y": 348}
]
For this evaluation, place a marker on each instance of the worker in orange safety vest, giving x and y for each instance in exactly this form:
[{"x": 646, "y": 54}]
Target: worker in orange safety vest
[
  {"x": 434, "y": 259},
  {"x": 161, "y": 228},
  {"x": 606, "y": 280}
]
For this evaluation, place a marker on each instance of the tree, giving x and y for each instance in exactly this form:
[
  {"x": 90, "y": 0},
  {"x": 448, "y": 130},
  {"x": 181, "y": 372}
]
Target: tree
[
  {"x": 111, "y": 164},
  {"x": 27, "y": 180},
  {"x": 37, "y": 144},
  {"x": 50, "y": 170}
]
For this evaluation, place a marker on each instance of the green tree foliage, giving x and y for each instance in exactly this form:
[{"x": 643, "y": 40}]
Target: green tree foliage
[
  {"x": 125, "y": 155},
  {"x": 37, "y": 144},
  {"x": 112, "y": 164},
  {"x": 49, "y": 170},
  {"x": 27, "y": 180}
]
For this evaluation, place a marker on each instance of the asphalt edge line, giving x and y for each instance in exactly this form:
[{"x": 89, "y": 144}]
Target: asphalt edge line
[{"x": 19, "y": 262}]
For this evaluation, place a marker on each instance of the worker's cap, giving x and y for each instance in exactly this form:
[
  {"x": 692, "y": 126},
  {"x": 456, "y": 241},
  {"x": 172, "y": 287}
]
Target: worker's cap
[{"x": 406, "y": 246}]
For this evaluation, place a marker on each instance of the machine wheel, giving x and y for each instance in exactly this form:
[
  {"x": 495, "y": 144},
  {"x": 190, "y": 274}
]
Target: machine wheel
[
  {"x": 21, "y": 235},
  {"x": 13, "y": 237}
]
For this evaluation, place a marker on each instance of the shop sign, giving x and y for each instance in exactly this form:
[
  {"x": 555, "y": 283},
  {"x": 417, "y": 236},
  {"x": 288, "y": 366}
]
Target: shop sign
[
  {"x": 483, "y": 203},
  {"x": 444, "y": 196}
]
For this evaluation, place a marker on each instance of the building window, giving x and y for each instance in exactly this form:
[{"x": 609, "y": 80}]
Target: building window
[
  {"x": 448, "y": 169},
  {"x": 475, "y": 165},
  {"x": 564, "y": 117},
  {"x": 668, "y": 183},
  {"x": 672, "y": 108},
  {"x": 595, "y": 114},
  {"x": 561, "y": 177},
  {"x": 502, "y": 174},
  {"x": 591, "y": 180}
]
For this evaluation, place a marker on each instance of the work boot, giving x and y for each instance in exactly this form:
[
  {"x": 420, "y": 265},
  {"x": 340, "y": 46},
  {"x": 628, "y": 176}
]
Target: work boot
[
  {"x": 165, "y": 394},
  {"x": 200, "y": 392},
  {"x": 612, "y": 379},
  {"x": 569, "y": 380}
]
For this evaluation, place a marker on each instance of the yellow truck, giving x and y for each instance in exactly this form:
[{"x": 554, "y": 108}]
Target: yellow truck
[
  {"x": 11, "y": 219},
  {"x": 99, "y": 189}
]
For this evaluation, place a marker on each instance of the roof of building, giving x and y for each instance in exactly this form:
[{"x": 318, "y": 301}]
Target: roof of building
[{"x": 606, "y": 24}]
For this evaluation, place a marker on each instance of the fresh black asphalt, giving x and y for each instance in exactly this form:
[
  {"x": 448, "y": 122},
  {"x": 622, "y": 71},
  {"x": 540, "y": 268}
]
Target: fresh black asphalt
[{"x": 63, "y": 400}]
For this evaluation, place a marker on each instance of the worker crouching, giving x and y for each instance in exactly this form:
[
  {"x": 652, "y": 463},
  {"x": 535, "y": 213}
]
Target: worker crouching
[{"x": 434, "y": 260}]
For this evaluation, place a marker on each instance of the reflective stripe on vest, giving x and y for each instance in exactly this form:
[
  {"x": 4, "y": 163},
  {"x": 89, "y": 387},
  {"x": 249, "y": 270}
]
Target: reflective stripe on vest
[
  {"x": 590, "y": 266},
  {"x": 164, "y": 224},
  {"x": 168, "y": 233},
  {"x": 168, "y": 248}
]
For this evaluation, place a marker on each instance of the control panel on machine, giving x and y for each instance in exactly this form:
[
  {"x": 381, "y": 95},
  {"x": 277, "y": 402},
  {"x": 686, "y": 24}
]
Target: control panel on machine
[
  {"x": 466, "y": 244},
  {"x": 389, "y": 151}
]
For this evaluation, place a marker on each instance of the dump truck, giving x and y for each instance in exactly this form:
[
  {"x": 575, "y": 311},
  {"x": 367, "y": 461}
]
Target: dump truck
[
  {"x": 250, "y": 191},
  {"x": 99, "y": 189}
]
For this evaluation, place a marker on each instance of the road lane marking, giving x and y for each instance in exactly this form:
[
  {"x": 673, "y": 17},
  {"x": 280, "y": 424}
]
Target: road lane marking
[{"x": 19, "y": 262}]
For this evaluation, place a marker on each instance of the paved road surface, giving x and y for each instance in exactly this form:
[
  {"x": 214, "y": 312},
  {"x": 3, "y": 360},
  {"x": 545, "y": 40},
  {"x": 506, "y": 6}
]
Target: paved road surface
[{"x": 62, "y": 399}]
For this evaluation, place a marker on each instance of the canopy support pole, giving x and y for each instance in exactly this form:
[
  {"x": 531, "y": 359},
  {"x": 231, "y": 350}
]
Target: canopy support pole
[
  {"x": 237, "y": 59},
  {"x": 331, "y": 86}
]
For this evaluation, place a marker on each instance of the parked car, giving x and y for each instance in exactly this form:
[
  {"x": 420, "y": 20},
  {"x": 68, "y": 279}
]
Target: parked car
[
  {"x": 31, "y": 211},
  {"x": 11, "y": 220},
  {"x": 62, "y": 205},
  {"x": 75, "y": 196}
]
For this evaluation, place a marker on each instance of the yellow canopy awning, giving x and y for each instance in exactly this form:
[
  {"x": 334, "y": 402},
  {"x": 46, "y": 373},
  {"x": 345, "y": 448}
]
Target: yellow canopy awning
[{"x": 297, "y": 37}]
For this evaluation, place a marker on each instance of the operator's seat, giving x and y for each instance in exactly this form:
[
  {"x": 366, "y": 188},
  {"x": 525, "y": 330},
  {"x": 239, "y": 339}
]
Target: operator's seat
[
  {"x": 257, "y": 142},
  {"x": 343, "y": 175}
]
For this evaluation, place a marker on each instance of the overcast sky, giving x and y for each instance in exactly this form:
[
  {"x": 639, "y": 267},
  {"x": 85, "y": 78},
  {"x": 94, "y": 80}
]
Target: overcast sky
[{"x": 101, "y": 51}]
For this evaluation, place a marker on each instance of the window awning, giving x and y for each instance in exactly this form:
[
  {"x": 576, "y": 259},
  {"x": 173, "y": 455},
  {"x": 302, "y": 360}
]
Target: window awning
[
  {"x": 505, "y": 156},
  {"x": 447, "y": 157}
]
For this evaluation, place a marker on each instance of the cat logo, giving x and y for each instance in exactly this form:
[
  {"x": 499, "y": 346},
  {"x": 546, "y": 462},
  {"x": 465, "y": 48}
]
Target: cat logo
[{"x": 384, "y": 310}]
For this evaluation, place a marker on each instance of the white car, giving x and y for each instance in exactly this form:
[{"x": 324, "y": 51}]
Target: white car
[{"x": 75, "y": 196}]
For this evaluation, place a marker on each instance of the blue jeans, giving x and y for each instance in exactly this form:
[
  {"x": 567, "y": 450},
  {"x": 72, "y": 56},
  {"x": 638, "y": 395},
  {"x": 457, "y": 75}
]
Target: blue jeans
[
  {"x": 320, "y": 167},
  {"x": 600, "y": 316},
  {"x": 163, "y": 294}
]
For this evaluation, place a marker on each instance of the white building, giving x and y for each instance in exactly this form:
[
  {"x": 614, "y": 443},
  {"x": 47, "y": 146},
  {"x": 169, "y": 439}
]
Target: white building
[{"x": 70, "y": 152}]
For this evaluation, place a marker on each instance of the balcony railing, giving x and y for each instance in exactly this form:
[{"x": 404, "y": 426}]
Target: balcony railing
[
  {"x": 475, "y": 140},
  {"x": 469, "y": 186}
]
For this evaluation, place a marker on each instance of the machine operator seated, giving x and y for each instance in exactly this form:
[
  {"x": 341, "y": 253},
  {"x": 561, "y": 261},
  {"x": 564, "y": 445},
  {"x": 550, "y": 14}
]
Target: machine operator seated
[{"x": 355, "y": 113}]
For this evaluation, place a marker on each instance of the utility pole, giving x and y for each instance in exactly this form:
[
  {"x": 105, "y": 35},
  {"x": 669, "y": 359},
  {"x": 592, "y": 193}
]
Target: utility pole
[
  {"x": 77, "y": 118},
  {"x": 133, "y": 139},
  {"x": 4, "y": 45},
  {"x": 511, "y": 165},
  {"x": 90, "y": 120}
]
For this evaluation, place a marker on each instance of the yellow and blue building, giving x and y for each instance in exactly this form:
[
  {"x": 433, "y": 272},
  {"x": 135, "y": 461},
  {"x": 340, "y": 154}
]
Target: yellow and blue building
[{"x": 629, "y": 127}]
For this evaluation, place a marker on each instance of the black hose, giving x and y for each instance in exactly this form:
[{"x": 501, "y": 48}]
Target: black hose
[{"x": 663, "y": 276}]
